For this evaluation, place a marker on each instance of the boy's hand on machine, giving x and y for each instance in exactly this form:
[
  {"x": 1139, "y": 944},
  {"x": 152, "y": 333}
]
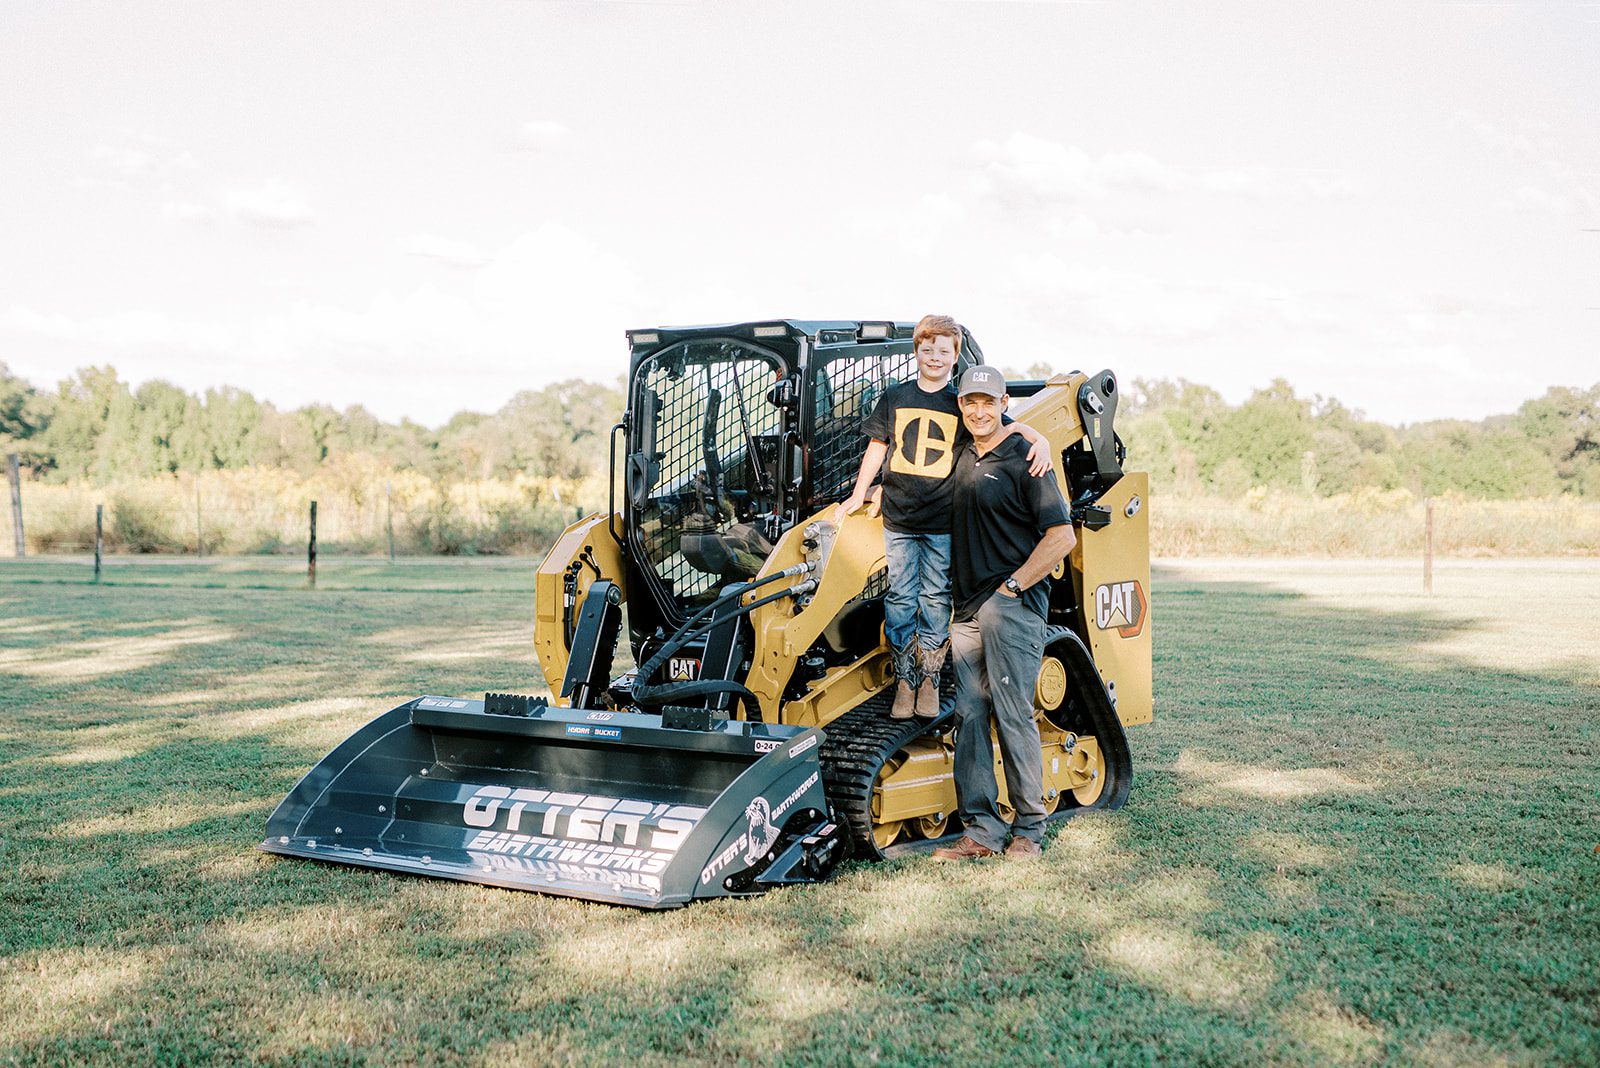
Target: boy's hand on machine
[
  {"x": 852, "y": 504},
  {"x": 1039, "y": 458}
]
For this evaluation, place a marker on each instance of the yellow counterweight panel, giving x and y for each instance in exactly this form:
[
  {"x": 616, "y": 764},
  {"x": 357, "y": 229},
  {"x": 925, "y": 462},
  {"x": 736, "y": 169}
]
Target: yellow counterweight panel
[
  {"x": 1113, "y": 566},
  {"x": 784, "y": 632},
  {"x": 588, "y": 539}
]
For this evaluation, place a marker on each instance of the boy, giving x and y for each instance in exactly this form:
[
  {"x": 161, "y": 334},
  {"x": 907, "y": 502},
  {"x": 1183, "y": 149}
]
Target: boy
[{"x": 915, "y": 426}]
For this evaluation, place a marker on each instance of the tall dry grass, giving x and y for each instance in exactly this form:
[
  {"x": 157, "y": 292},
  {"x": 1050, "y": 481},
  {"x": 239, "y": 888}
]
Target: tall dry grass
[
  {"x": 265, "y": 511},
  {"x": 1370, "y": 523},
  {"x": 261, "y": 510}
]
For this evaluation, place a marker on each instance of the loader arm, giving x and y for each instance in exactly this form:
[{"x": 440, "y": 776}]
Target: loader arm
[
  {"x": 845, "y": 557},
  {"x": 585, "y": 553}
]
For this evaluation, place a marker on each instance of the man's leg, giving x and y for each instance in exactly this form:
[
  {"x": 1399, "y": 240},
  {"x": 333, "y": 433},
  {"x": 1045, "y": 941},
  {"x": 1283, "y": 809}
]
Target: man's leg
[
  {"x": 976, "y": 790},
  {"x": 900, "y": 617},
  {"x": 1014, "y": 649}
]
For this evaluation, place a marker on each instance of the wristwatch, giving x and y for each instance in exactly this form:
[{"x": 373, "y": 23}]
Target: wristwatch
[{"x": 1011, "y": 585}]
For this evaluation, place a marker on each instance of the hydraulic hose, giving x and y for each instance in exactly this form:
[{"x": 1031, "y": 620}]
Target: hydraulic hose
[
  {"x": 691, "y": 628},
  {"x": 652, "y": 695},
  {"x": 739, "y": 591}
]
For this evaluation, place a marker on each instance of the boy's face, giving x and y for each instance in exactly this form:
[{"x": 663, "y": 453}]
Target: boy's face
[{"x": 936, "y": 357}]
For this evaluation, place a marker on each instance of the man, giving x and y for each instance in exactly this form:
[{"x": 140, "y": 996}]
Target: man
[{"x": 1009, "y": 529}]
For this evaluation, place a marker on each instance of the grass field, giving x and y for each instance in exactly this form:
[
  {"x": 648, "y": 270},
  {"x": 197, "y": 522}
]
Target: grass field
[{"x": 1363, "y": 829}]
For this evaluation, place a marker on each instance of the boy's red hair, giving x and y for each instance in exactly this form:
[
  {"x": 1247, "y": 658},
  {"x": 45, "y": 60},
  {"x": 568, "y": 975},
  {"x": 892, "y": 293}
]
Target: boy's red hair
[{"x": 936, "y": 326}]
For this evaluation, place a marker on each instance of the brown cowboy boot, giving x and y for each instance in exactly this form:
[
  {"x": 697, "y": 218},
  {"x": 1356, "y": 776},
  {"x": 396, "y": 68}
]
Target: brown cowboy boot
[
  {"x": 930, "y": 661},
  {"x": 908, "y": 670},
  {"x": 905, "y": 701},
  {"x": 968, "y": 848}
]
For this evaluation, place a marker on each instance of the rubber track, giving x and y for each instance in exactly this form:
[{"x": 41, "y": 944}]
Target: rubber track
[{"x": 859, "y": 743}]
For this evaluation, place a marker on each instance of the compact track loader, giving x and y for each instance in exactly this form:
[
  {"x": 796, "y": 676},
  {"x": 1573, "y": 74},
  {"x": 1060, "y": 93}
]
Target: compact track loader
[{"x": 750, "y": 747}]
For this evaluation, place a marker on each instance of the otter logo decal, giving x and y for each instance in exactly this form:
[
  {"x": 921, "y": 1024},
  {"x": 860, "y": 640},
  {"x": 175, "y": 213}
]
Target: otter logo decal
[
  {"x": 762, "y": 833},
  {"x": 1121, "y": 606},
  {"x": 761, "y": 830},
  {"x": 924, "y": 443}
]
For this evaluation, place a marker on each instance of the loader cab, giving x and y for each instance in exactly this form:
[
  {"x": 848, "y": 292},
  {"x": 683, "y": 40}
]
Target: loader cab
[{"x": 734, "y": 434}]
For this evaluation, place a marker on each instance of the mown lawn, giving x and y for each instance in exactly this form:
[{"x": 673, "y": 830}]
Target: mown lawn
[{"x": 1363, "y": 830}]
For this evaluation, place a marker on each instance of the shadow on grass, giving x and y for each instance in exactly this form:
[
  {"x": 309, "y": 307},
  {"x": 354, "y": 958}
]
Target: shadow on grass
[{"x": 1331, "y": 854}]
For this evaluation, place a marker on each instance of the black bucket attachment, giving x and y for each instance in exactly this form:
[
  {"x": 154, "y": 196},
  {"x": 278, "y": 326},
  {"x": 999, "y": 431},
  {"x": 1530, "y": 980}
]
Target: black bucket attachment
[{"x": 607, "y": 806}]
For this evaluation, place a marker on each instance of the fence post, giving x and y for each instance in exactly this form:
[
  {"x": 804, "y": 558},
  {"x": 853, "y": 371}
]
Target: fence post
[
  {"x": 99, "y": 537},
  {"x": 388, "y": 496},
  {"x": 1427, "y": 545},
  {"x": 14, "y": 464},
  {"x": 311, "y": 551},
  {"x": 199, "y": 534}
]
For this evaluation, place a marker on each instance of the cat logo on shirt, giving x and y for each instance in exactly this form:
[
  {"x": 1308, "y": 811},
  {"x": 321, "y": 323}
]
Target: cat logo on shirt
[{"x": 925, "y": 443}]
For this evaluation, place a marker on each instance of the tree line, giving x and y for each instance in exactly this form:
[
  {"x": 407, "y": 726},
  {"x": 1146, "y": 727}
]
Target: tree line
[
  {"x": 1189, "y": 437},
  {"x": 98, "y": 428},
  {"x": 95, "y": 427}
]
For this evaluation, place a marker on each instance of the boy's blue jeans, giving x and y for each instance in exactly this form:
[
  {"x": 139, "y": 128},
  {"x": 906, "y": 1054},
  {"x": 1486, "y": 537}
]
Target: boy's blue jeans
[{"x": 917, "y": 606}]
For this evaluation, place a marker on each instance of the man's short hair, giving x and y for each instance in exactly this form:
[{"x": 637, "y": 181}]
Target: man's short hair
[{"x": 936, "y": 326}]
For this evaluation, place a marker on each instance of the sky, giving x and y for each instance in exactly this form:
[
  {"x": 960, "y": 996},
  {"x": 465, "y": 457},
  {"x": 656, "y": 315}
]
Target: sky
[{"x": 428, "y": 207}]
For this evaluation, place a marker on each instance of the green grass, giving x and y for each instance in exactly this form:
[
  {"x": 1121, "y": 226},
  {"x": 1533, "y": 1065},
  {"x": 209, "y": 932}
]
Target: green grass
[
  {"x": 1362, "y": 830},
  {"x": 422, "y": 573}
]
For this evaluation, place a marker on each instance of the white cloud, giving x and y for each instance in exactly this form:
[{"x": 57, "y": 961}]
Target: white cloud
[
  {"x": 1028, "y": 170},
  {"x": 1035, "y": 168},
  {"x": 1543, "y": 156},
  {"x": 444, "y": 249},
  {"x": 125, "y": 161},
  {"x": 273, "y": 205},
  {"x": 1532, "y": 198},
  {"x": 550, "y": 305},
  {"x": 541, "y": 135},
  {"x": 185, "y": 211},
  {"x": 130, "y": 160},
  {"x": 133, "y": 158},
  {"x": 122, "y": 330},
  {"x": 1099, "y": 300}
]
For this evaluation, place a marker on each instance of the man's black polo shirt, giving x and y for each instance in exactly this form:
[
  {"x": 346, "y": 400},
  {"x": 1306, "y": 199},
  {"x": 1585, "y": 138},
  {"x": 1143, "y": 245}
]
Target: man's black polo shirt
[{"x": 999, "y": 516}]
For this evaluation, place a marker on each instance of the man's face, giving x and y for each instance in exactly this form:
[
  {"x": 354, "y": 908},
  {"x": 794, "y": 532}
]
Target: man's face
[
  {"x": 936, "y": 356},
  {"x": 982, "y": 413}
]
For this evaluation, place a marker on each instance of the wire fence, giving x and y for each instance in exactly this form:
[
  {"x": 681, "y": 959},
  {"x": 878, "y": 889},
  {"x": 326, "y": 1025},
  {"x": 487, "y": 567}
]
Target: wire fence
[
  {"x": 263, "y": 512},
  {"x": 267, "y": 512}
]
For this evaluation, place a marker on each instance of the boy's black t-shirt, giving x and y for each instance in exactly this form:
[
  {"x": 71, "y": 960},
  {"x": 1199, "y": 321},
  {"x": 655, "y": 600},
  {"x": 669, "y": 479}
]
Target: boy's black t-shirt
[
  {"x": 922, "y": 430},
  {"x": 1000, "y": 513}
]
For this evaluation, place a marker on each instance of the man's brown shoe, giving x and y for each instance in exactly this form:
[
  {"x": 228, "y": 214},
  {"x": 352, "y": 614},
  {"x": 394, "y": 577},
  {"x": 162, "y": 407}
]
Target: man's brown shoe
[
  {"x": 1022, "y": 849},
  {"x": 905, "y": 702},
  {"x": 966, "y": 849},
  {"x": 928, "y": 699}
]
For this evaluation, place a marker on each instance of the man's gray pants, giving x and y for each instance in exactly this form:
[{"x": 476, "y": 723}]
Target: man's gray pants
[{"x": 997, "y": 655}]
